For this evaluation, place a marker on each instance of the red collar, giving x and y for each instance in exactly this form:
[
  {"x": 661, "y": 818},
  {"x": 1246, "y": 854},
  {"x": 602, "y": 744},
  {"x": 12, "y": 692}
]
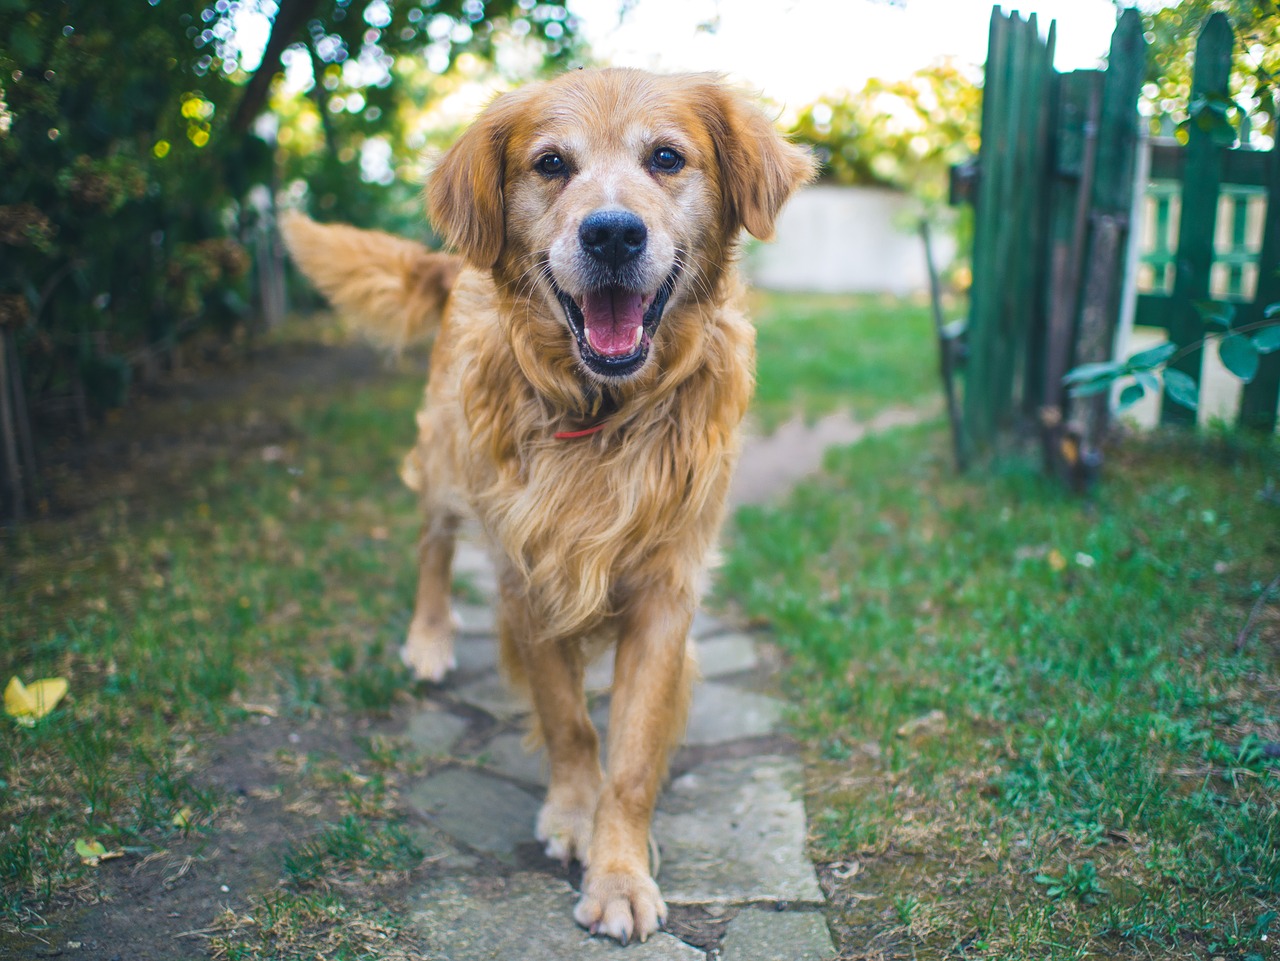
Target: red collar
[{"x": 573, "y": 434}]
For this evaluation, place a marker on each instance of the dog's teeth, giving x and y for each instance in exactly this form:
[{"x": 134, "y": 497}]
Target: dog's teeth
[{"x": 639, "y": 335}]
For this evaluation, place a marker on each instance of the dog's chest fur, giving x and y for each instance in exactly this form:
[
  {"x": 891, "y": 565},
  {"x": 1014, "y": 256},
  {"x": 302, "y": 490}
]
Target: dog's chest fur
[{"x": 588, "y": 519}]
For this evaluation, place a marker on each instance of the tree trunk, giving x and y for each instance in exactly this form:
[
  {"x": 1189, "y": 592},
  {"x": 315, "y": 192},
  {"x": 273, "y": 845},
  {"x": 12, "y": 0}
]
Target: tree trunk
[{"x": 13, "y": 468}]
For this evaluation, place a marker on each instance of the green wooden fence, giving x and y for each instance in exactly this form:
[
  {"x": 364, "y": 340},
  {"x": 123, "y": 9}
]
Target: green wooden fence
[{"x": 1054, "y": 195}]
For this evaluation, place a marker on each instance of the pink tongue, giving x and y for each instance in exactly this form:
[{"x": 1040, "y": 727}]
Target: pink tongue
[{"x": 613, "y": 316}]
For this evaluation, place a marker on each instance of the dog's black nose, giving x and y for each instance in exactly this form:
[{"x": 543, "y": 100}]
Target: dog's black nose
[{"x": 613, "y": 237}]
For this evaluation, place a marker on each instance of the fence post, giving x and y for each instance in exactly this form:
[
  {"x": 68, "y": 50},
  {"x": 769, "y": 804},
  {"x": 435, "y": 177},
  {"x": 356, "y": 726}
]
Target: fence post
[
  {"x": 1078, "y": 108},
  {"x": 1202, "y": 175},
  {"x": 1258, "y": 403},
  {"x": 1111, "y": 201},
  {"x": 1006, "y": 302},
  {"x": 979, "y": 407}
]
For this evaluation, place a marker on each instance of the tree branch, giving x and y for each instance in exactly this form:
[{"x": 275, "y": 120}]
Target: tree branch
[
  {"x": 284, "y": 30},
  {"x": 1243, "y": 637}
]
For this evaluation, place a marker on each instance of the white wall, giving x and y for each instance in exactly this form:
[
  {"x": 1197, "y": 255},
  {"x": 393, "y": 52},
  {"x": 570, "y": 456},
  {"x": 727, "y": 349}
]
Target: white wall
[{"x": 847, "y": 240}]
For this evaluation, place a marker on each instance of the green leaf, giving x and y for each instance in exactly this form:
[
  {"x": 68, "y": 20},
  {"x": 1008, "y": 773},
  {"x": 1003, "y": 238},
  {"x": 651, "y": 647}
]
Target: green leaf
[
  {"x": 1181, "y": 388},
  {"x": 1148, "y": 380},
  {"x": 24, "y": 45},
  {"x": 90, "y": 849},
  {"x": 1107, "y": 369},
  {"x": 1212, "y": 312},
  {"x": 1145, "y": 360},
  {"x": 1267, "y": 339},
  {"x": 1239, "y": 355},
  {"x": 1091, "y": 388},
  {"x": 1130, "y": 396}
]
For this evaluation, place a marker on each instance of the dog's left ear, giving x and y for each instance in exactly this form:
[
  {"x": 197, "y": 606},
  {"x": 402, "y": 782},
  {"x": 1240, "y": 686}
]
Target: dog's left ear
[
  {"x": 465, "y": 192},
  {"x": 759, "y": 168}
]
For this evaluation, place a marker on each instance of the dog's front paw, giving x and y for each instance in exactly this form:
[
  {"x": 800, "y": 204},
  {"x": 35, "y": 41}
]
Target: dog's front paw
[
  {"x": 428, "y": 651},
  {"x": 620, "y": 904},
  {"x": 564, "y": 826}
]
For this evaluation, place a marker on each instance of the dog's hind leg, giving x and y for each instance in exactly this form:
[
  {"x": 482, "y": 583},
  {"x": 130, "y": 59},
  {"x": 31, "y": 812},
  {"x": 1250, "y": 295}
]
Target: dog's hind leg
[
  {"x": 653, "y": 675},
  {"x": 428, "y": 650}
]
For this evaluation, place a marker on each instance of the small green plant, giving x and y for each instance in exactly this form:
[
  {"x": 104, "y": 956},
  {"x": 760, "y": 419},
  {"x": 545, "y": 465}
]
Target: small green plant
[
  {"x": 351, "y": 845},
  {"x": 905, "y": 907},
  {"x": 1079, "y": 882},
  {"x": 1239, "y": 348}
]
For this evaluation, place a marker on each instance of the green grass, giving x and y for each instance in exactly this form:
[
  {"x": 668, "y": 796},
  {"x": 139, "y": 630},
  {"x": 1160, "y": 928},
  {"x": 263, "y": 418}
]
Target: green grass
[
  {"x": 1025, "y": 712},
  {"x": 819, "y": 353},
  {"x": 283, "y": 579}
]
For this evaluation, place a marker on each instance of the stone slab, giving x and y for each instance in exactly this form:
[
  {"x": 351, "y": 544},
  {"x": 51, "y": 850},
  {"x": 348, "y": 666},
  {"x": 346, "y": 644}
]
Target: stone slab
[
  {"x": 599, "y": 675},
  {"x": 475, "y": 654},
  {"x": 441, "y": 853},
  {"x": 727, "y": 654},
  {"x": 469, "y": 557},
  {"x": 723, "y": 713},
  {"x": 491, "y": 695},
  {"x": 483, "y": 812},
  {"x": 735, "y": 831},
  {"x": 525, "y": 916},
  {"x": 476, "y": 619},
  {"x": 760, "y": 934},
  {"x": 706, "y": 625},
  {"x": 435, "y": 732},
  {"x": 506, "y": 754}
]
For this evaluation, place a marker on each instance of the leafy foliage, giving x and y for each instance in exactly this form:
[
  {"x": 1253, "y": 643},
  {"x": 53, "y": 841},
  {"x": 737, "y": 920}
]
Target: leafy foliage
[
  {"x": 112, "y": 192},
  {"x": 1239, "y": 348},
  {"x": 1172, "y": 32},
  {"x": 903, "y": 134},
  {"x": 138, "y": 178}
]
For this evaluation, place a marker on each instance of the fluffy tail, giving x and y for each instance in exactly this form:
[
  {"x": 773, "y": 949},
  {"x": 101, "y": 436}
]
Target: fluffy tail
[{"x": 394, "y": 289}]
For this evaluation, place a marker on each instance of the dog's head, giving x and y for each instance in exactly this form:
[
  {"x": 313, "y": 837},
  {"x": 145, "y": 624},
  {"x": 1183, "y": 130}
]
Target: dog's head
[{"x": 609, "y": 197}]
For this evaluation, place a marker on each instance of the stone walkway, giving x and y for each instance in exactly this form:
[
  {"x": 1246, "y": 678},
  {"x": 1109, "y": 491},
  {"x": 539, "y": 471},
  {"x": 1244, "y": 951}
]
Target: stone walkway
[{"x": 730, "y": 824}]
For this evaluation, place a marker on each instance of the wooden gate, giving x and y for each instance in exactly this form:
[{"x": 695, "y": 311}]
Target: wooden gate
[{"x": 1060, "y": 191}]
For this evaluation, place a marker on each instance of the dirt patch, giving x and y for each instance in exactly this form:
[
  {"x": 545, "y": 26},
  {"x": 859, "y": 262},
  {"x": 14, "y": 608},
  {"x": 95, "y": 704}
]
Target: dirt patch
[
  {"x": 175, "y": 429},
  {"x": 163, "y": 905}
]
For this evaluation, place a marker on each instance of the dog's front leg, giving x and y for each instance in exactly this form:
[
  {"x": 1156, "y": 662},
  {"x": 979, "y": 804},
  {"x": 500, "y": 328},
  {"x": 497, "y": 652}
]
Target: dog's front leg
[
  {"x": 651, "y": 688},
  {"x": 554, "y": 669}
]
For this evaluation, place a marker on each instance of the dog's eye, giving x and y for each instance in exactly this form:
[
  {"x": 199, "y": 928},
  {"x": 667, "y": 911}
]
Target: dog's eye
[
  {"x": 552, "y": 165},
  {"x": 667, "y": 160}
]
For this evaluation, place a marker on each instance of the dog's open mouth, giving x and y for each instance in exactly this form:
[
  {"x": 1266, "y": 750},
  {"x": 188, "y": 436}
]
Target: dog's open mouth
[{"x": 614, "y": 326}]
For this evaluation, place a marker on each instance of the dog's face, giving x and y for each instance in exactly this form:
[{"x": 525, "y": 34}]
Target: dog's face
[{"x": 607, "y": 198}]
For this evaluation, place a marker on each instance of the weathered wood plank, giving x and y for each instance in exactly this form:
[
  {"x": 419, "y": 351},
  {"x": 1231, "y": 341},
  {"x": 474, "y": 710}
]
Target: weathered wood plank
[
  {"x": 1245, "y": 167},
  {"x": 1202, "y": 174},
  {"x": 986, "y": 223},
  {"x": 1030, "y": 349},
  {"x": 1111, "y": 202},
  {"x": 1261, "y": 396},
  {"x": 1078, "y": 109}
]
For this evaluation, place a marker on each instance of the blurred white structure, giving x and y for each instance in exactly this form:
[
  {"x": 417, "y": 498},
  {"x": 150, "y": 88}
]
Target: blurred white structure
[{"x": 833, "y": 239}]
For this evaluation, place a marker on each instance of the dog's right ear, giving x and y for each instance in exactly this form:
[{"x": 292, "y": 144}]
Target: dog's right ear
[{"x": 465, "y": 192}]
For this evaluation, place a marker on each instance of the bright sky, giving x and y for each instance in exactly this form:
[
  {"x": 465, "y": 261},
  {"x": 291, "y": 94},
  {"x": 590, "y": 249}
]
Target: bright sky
[{"x": 794, "y": 51}]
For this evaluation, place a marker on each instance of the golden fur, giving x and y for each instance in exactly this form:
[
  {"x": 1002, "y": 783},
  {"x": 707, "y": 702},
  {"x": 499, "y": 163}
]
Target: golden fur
[{"x": 599, "y": 538}]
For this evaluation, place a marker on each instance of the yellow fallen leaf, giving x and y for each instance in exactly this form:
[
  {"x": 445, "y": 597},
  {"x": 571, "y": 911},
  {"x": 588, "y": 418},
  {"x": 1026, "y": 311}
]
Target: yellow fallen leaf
[
  {"x": 90, "y": 849},
  {"x": 1056, "y": 560},
  {"x": 93, "y": 852},
  {"x": 29, "y": 703},
  {"x": 183, "y": 818}
]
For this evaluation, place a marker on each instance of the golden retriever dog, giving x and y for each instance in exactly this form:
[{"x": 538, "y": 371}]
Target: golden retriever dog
[{"x": 587, "y": 383}]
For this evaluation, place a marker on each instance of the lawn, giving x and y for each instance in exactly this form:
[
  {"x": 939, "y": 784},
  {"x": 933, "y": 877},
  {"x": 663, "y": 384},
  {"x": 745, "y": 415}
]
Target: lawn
[
  {"x": 251, "y": 564},
  {"x": 1030, "y": 730},
  {"x": 861, "y": 353}
]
